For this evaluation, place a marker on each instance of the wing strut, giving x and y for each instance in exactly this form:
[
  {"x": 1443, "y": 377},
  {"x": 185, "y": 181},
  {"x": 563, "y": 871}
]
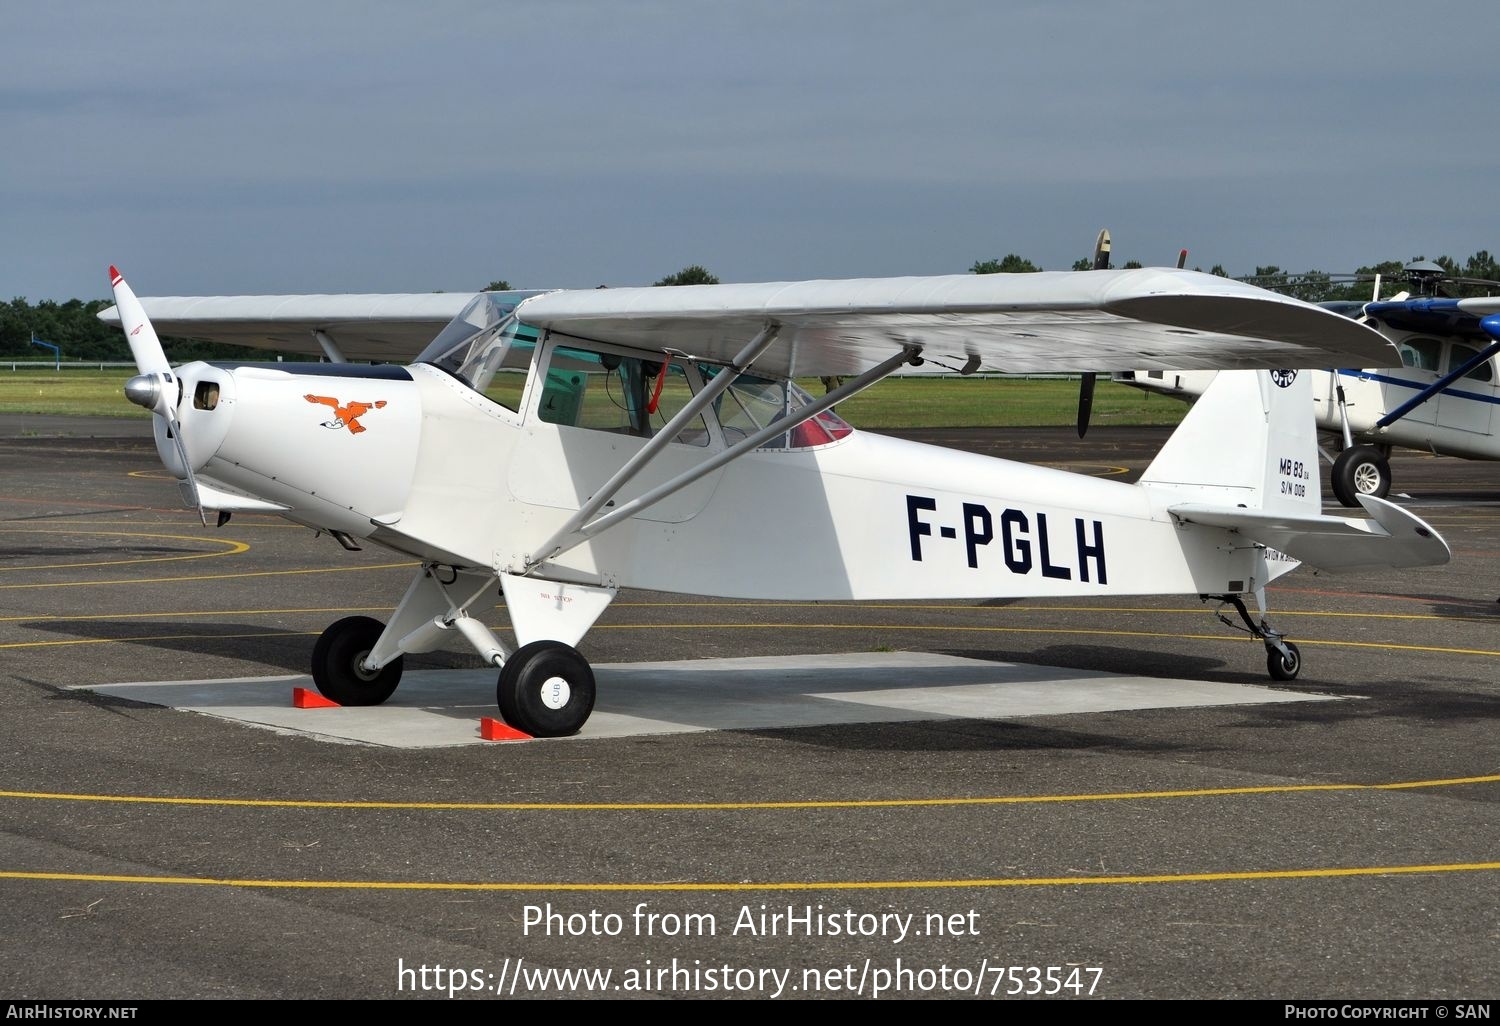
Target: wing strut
[
  {"x": 575, "y": 532},
  {"x": 1490, "y": 324},
  {"x": 330, "y": 347}
]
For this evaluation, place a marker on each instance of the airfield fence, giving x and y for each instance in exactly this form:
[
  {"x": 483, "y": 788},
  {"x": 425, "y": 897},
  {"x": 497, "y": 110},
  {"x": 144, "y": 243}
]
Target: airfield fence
[{"x": 92, "y": 365}]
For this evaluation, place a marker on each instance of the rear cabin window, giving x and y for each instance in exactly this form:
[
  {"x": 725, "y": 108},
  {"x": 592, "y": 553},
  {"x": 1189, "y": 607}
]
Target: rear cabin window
[{"x": 753, "y": 403}]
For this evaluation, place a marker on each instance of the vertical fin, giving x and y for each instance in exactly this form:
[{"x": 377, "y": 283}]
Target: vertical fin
[{"x": 1249, "y": 441}]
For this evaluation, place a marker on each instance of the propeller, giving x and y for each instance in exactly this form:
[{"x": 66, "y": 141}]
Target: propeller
[
  {"x": 1087, "y": 382},
  {"x": 156, "y": 388},
  {"x": 1429, "y": 278},
  {"x": 1420, "y": 277}
]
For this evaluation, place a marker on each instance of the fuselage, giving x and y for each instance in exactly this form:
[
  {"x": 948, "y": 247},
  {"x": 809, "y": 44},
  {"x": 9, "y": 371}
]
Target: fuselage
[
  {"x": 417, "y": 460},
  {"x": 1462, "y": 419}
]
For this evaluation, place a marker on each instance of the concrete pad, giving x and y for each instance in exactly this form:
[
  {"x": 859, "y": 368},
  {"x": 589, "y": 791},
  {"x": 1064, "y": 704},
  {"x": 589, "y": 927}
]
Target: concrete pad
[{"x": 443, "y": 708}]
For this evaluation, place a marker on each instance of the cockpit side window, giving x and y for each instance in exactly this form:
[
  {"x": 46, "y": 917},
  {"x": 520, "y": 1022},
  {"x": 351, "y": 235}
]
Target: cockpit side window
[
  {"x": 1421, "y": 353},
  {"x": 1460, "y": 354},
  {"x": 628, "y": 395}
]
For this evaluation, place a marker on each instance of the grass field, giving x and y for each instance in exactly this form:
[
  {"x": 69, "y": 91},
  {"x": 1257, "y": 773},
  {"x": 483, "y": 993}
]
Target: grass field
[
  {"x": 1000, "y": 402},
  {"x": 893, "y": 404}
]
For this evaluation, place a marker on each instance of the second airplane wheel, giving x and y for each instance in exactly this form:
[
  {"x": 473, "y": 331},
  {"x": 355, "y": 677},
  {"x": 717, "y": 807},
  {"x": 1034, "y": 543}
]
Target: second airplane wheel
[
  {"x": 1360, "y": 470},
  {"x": 546, "y": 689}
]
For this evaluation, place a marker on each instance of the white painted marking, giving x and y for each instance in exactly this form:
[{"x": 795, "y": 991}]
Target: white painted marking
[
  {"x": 555, "y": 693},
  {"x": 442, "y": 708}
]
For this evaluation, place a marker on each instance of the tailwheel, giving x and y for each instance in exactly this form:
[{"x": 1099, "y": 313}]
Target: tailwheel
[
  {"x": 1283, "y": 659},
  {"x": 338, "y": 663},
  {"x": 546, "y": 689},
  {"x": 1284, "y": 667}
]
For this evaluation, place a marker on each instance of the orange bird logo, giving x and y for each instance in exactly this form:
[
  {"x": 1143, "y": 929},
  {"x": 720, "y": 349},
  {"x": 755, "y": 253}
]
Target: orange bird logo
[{"x": 345, "y": 415}]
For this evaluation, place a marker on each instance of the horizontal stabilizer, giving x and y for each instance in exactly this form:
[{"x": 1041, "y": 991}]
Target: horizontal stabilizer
[{"x": 1392, "y": 538}]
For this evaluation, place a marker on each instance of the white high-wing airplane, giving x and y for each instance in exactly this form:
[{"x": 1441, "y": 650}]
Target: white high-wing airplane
[
  {"x": 1441, "y": 398},
  {"x": 558, "y": 446}
]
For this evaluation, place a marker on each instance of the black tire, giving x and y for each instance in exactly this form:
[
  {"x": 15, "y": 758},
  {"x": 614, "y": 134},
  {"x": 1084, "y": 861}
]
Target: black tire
[
  {"x": 1360, "y": 470},
  {"x": 336, "y": 663},
  {"x": 1280, "y": 666},
  {"x": 546, "y": 689}
]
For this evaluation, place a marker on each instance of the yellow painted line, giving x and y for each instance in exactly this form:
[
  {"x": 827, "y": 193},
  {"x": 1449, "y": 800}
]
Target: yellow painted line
[
  {"x": 976, "y": 607},
  {"x": 958, "y": 628},
  {"x": 173, "y": 614},
  {"x": 1381, "y": 645},
  {"x": 234, "y": 548},
  {"x": 158, "y": 637},
  {"x": 725, "y": 605},
  {"x": 271, "y": 520},
  {"x": 767, "y": 885},
  {"x": 875, "y": 803},
  {"x": 1478, "y": 515},
  {"x": 1110, "y": 469},
  {"x": 212, "y": 577},
  {"x": 1391, "y": 646}
]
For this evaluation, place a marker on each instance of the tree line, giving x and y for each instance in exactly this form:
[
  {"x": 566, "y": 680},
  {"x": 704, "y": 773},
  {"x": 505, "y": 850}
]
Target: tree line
[
  {"x": 1477, "y": 276},
  {"x": 74, "y": 326}
]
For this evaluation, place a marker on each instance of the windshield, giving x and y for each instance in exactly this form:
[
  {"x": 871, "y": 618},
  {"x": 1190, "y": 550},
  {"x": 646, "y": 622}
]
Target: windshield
[
  {"x": 483, "y": 340},
  {"x": 487, "y": 349}
]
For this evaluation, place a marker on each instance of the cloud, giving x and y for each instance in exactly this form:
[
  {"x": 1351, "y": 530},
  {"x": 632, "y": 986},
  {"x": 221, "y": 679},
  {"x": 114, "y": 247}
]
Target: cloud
[{"x": 317, "y": 147}]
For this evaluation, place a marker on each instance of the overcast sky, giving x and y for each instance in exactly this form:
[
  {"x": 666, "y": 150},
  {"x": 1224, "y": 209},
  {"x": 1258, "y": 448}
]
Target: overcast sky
[{"x": 341, "y": 146}]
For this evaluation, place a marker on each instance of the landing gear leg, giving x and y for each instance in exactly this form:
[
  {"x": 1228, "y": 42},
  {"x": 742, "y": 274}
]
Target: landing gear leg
[
  {"x": 1343, "y": 414},
  {"x": 357, "y": 661},
  {"x": 1283, "y": 659}
]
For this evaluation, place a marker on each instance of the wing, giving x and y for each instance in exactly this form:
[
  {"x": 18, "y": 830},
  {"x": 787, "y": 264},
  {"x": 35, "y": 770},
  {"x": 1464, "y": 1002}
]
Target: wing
[
  {"x": 385, "y": 328},
  {"x": 1461, "y": 317},
  {"x": 1140, "y": 319}
]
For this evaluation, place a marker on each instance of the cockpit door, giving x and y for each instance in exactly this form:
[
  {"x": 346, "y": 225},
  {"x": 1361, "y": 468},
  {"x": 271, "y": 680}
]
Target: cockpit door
[
  {"x": 590, "y": 408},
  {"x": 1468, "y": 404}
]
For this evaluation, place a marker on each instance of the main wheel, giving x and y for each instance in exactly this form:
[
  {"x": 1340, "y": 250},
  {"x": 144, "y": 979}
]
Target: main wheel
[
  {"x": 1360, "y": 470},
  {"x": 336, "y": 660},
  {"x": 1284, "y": 667},
  {"x": 546, "y": 689}
]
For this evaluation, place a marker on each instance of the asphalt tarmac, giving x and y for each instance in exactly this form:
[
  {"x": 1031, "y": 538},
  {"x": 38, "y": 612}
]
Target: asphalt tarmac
[{"x": 1342, "y": 846}]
